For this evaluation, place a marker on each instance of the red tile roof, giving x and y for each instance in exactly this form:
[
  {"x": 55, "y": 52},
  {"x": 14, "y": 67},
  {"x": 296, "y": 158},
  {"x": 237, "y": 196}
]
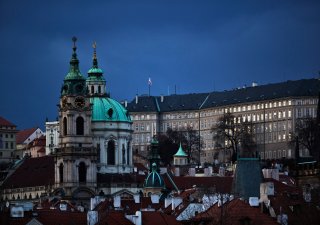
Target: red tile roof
[
  {"x": 115, "y": 218},
  {"x": 158, "y": 218},
  {"x": 52, "y": 217},
  {"x": 41, "y": 170},
  {"x": 235, "y": 211},
  {"x": 221, "y": 184},
  {"x": 4, "y": 122},
  {"x": 24, "y": 134}
]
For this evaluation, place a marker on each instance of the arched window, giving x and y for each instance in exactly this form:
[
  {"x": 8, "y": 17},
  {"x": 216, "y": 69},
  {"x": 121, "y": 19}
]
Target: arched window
[
  {"x": 82, "y": 172},
  {"x": 65, "y": 126},
  {"x": 92, "y": 89},
  {"x": 99, "y": 89},
  {"x": 61, "y": 173},
  {"x": 80, "y": 125},
  {"x": 111, "y": 152}
]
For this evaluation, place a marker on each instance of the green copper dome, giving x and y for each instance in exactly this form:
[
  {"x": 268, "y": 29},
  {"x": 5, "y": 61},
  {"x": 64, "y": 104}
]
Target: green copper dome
[
  {"x": 154, "y": 180},
  {"x": 180, "y": 152},
  {"x": 107, "y": 109}
]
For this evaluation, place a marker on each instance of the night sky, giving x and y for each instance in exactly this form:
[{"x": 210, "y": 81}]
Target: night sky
[{"x": 199, "y": 46}]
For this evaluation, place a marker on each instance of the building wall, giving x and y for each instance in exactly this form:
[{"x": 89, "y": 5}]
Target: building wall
[
  {"x": 7, "y": 142},
  {"x": 273, "y": 122},
  {"x": 52, "y": 136}
]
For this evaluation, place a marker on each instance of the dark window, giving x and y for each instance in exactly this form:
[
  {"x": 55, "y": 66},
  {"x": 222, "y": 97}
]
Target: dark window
[
  {"x": 99, "y": 89},
  {"x": 11, "y": 145},
  {"x": 92, "y": 89},
  {"x": 98, "y": 152},
  {"x": 80, "y": 125},
  {"x": 111, "y": 152},
  {"x": 61, "y": 173},
  {"x": 7, "y": 145},
  {"x": 82, "y": 172},
  {"x": 65, "y": 126}
]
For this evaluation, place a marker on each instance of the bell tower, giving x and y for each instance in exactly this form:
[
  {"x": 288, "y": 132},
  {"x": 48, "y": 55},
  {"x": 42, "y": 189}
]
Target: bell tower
[{"x": 75, "y": 159}]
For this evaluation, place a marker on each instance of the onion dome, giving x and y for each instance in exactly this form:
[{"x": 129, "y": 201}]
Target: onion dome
[{"x": 154, "y": 179}]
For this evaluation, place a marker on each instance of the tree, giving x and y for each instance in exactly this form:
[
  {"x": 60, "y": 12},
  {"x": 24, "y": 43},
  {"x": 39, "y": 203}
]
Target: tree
[
  {"x": 169, "y": 143},
  {"x": 306, "y": 135},
  {"x": 167, "y": 148},
  {"x": 233, "y": 134}
]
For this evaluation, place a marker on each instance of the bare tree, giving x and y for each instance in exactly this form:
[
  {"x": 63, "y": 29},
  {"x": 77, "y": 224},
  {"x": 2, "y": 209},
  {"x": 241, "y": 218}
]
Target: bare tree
[
  {"x": 233, "y": 134},
  {"x": 189, "y": 139},
  {"x": 306, "y": 135}
]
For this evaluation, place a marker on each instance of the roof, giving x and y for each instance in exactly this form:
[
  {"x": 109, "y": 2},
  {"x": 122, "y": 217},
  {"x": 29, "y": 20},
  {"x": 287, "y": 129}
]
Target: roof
[
  {"x": 154, "y": 179},
  {"x": 220, "y": 184},
  {"x": 180, "y": 152},
  {"x": 107, "y": 109},
  {"x": 41, "y": 168},
  {"x": 4, "y": 122},
  {"x": 24, "y": 134},
  {"x": 298, "y": 88},
  {"x": 158, "y": 218},
  {"x": 236, "y": 211},
  {"x": 49, "y": 217}
]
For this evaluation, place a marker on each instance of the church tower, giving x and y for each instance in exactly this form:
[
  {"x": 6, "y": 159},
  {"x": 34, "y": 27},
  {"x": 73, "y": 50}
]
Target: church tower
[{"x": 75, "y": 159}]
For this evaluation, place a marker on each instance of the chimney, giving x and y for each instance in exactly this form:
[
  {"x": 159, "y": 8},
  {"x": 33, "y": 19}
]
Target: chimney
[
  {"x": 175, "y": 202},
  {"x": 161, "y": 98},
  {"x": 155, "y": 198},
  {"x": 136, "y": 198},
  {"x": 254, "y": 84},
  {"x": 116, "y": 201},
  {"x": 167, "y": 202},
  {"x": 135, "y": 219},
  {"x": 136, "y": 99},
  {"x": 125, "y": 103}
]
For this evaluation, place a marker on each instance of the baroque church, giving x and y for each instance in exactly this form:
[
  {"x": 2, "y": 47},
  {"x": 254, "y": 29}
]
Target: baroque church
[
  {"x": 95, "y": 131},
  {"x": 94, "y": 153}
]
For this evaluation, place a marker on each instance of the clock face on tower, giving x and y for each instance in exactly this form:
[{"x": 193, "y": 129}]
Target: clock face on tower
[{"x": 79, "y": 102}]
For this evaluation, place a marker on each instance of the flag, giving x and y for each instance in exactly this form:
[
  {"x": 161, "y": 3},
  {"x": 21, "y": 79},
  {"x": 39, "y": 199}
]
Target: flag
[{"x": 149, "y": 82}]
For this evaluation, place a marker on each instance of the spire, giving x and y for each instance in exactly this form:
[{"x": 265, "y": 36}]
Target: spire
[
  {"x": 95, "y": 61},
  {"x": 74, "y": 62},
  {"x": 95, "y": 70},
  {"x": 74, "y": 71}
]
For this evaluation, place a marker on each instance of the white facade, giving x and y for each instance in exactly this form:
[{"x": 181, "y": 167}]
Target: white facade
[{"x": 52, "y": 136}]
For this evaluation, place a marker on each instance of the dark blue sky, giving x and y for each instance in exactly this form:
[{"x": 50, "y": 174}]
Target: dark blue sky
[{"x": 199, "y": 46}]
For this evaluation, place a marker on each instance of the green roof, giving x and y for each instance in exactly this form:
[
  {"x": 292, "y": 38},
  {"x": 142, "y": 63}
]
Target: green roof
[
  {"x": 180, "y": 152},
  {"x": 107, "y": 109},
  {"x": 154, "y": 179},
  {"x": 95, "y": 70}
]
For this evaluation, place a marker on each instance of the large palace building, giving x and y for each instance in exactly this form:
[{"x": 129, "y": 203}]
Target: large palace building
[{"x": 273, "y": 109}]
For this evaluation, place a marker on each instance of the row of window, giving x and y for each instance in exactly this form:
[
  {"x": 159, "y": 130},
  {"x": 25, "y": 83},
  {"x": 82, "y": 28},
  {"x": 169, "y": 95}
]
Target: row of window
[
  {"x": 144, "y": 117},
  {"x": 6, "y": 145},
  {"x": 6, "y": 135}
]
